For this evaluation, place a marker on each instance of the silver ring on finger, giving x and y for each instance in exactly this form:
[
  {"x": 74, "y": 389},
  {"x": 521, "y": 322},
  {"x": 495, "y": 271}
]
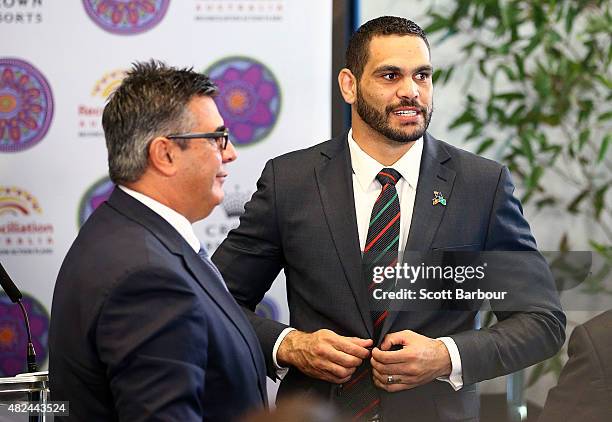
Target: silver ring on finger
[{"x": 390, "y": 379}]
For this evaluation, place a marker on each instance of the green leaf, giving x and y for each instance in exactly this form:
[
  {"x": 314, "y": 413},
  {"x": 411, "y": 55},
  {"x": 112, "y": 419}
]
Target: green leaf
[
  {"x": 509, "y": 72},
  {"x": 533, "y": 44},
  {"x": 603, "y": 149},
  {"x": 604, "y": 116},
  {"x": 569, "y": 19},
  {"x": 520, "y": 65},
  {"x": 583, "y": 138},
  {"x": 585, "y": 108},
  {"x": 469, "y": 47},
  {"x": 463, "y": 119},
  {"x": 485, "y": 145},
  {"x": 604, "y": 81},
  {"x": 599, "y": 200},
  {"x": 517, "y": 115},
  {"x": 542, "y": 81},
  {"x": 526, "y": 149},
  {"x": 439, "y": 22},
  {"x": 538, "y": 16},
  {"x": 546, "y": 202},
  {"x": 573, "y": 206},
  {"x": 533, "y": 180},
  {"x": 482, "y": 68},
  {"x": 448, "y": 74},
  {"x": 436, "y": 75},
  {"x": 510, "y": 96}
]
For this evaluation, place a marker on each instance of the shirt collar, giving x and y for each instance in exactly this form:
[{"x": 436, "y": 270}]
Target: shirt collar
[
  {"x": 176, "y": 220},
  {"x": 366, "y": 168}
]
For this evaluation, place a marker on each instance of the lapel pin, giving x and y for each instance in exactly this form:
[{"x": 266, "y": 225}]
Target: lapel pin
[{"x": 438, "y": 198}]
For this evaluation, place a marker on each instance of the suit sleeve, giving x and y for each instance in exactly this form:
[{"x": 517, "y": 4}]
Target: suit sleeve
[
  {"x": 250, "y": 259},
  {"x": 531, "y": 324},
  {"x": 152, "y": 336},
  {"x": 581, "y": 393}
]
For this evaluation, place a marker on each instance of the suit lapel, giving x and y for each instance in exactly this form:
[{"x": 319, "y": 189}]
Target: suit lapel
[
  {"x": 334, "y": 180},
  {"x": 228, "y": 306},
  {"x": 434, "y": 175},
  {"x": 172, "y": 240}
]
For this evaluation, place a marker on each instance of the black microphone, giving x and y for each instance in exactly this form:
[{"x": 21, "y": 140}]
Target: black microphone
[{"x": 15, "y": 295}]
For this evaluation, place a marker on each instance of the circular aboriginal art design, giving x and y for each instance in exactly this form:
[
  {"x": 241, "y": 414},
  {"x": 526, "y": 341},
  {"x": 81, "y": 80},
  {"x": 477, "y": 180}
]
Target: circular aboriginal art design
[
  {"x": 267, "y": 308},
  {"x": 126, "y": 17},
  {"x": 13, "y": 335},
  {"x": 95, "y": 195},
  {"x": 26, "y": 105},
  {"x": 249, "y": 98}
]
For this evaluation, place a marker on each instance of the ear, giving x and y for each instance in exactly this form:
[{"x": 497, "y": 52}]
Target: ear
[
  {"x": 348, "y": 85},
  {"x": 163, "y": 156}
]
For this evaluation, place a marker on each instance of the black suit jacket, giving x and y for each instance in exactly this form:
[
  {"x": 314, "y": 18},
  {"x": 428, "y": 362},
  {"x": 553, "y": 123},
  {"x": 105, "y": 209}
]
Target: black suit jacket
[
  {"x": 584, "y": 391},
  {"x": 302, "y": 220},
  {"x": 142, "y": 329}
]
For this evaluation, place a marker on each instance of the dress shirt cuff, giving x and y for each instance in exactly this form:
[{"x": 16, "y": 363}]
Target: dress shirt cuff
[
  {"x": 280, "y": 370},
  {"x": 455, "y": 379}
]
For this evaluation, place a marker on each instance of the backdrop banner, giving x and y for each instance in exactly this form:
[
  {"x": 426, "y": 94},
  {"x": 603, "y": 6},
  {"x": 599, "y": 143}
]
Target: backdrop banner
[{"x": 59, "y": 61}]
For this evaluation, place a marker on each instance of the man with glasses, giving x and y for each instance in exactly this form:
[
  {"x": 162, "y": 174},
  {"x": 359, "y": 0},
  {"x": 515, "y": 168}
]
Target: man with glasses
[{"x": 142, "y": 325}]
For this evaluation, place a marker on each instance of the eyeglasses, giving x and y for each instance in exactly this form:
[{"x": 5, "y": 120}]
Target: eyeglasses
[{"x": 221, "y": 137}]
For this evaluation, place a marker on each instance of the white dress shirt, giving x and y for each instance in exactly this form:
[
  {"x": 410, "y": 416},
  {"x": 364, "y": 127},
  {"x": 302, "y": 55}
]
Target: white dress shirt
[
  {"x": 366, "y": 190},
  {"x": 176, "y": 220}
]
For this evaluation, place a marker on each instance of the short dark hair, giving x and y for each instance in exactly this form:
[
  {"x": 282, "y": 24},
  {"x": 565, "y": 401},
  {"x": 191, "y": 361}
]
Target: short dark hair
[
  {"x": 359, "y": 45},
  {"x": 151, "y": 101}
]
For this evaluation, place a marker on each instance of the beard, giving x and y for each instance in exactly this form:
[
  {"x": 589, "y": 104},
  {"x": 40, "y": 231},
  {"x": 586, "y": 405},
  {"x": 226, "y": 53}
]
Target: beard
[{"x": 380, "y": 121}]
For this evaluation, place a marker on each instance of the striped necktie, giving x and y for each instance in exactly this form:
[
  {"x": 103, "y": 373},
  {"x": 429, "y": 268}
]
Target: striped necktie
[
  {"x": 382, "y": 243},
  {"x": 359, "y": 397}
]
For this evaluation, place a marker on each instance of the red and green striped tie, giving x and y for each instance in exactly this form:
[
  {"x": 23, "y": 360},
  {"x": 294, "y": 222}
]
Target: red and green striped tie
[
  {"x": 359, "y": 395},
  {"x": 382, "y": 243}
]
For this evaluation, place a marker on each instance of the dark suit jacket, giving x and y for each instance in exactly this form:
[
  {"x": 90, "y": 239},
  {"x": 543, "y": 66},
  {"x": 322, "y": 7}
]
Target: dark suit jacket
[
  {"x": 302, "y": 220},
  {"x": 142, "y": 329},
  {"x": 584, "y": 391}
]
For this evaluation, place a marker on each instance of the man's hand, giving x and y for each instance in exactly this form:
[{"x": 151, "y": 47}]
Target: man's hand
[
  {"x": 323, "y": 354},
  {"x": 419, "y": 361}
]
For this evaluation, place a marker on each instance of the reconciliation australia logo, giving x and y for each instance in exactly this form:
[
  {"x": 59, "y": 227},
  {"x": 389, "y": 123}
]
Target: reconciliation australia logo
[
  {"x": 22, "y": 228},
  {"x": 233, "y": 208},
  {"x": 26, "y": 105},
  {"x": 239, "y": 10},
  {"x": 90, "y": 111},
  {"x": 20, "y": 12},
  {"x": 126, "y": 17}
]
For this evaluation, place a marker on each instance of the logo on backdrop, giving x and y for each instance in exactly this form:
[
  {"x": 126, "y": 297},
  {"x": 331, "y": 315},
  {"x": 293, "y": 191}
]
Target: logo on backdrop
[
  {"x": 239, "y": 10},
  {"x": 22, "y": 228},
  {"x": 16, "y": 12},
  {"x": 93, "y": 197},
  {"x": 90, "y": 111},
  {"x": 26, "y": 105},
  {"x": 126, "y": 17},
  {"x": 13, "y": 336},
  {"x": 213, "y": 233},
  {"x": 268, "y": 308},
  {"x": 249, "y": 98}
]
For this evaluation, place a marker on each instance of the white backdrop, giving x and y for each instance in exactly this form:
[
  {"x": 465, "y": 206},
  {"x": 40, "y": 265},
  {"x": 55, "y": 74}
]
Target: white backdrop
[{"x": 272, "y": 58}]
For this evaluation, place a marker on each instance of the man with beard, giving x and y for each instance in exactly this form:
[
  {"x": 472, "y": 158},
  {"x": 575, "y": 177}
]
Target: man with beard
[{"x": 318, "y": 211}]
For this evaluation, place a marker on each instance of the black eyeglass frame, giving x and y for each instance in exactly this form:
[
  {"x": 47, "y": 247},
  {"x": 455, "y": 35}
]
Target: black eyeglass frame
[{"x": 208, "y": 135}]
